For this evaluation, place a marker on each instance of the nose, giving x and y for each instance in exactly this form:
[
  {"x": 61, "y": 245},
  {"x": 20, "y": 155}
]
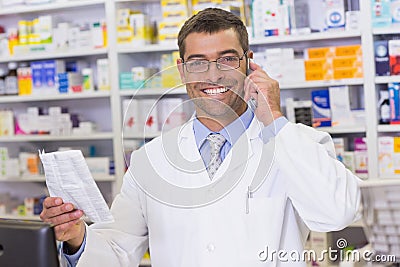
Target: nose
[{"x": 214, "y": 74}]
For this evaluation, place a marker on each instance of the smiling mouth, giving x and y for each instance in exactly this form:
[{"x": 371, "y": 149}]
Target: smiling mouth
[{"x": 215, "y": 90}]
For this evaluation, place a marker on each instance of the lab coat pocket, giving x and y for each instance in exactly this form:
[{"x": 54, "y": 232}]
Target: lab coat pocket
[{"x": 263, "y": 224}]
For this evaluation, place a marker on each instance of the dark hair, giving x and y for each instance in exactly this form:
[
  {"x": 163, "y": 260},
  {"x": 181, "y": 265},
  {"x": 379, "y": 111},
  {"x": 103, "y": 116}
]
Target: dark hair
[{"x": 213, "y": 20}]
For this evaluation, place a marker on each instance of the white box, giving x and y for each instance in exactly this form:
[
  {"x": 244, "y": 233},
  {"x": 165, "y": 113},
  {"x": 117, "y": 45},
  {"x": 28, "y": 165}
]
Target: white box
[
  {"x": 170, "y": 113},
  {"x": 340, "y": 106},
  {"x": 131, "y": 123},
  {"x": 385, "y": 155},
  {"x": 103, "y": 74},
  {"x": 98, "y": 165}
]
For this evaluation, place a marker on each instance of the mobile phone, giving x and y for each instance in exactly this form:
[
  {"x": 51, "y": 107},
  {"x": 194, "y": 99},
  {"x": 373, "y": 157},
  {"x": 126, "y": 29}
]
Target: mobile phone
[{"x": 252, "y": 103}]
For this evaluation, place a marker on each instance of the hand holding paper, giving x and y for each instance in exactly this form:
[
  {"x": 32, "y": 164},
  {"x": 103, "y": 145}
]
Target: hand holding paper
[{"x": 68, "y": 177}]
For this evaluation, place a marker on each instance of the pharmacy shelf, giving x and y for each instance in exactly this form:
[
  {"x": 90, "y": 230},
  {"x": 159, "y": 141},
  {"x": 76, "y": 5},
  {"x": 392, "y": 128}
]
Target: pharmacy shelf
[
  {"x": 152, "y": 91},
  {"x": 387, "y": 30},
  {"x": 48, "y": 7},
  {"x": 138, "y": 1},
  {"x": 325, "y": 83},
  {"x": 387, "y": 128},
  {"x": 56, "y": 54},
  {"x": 387, "y": 79},
  {"x": 20, "y": 217},
  {"x": 50, "y": 97},
  {"x": 307, "y": 37},
  {"x": 342, "y": 130},
  {"x": 131, "y": 48},
  {"x": 38, "y": 138},
  {"x": 141, "y": 136},
  {"x": 41, "y": 178},
  {"x": 384, "y": 182},
  {"x": 390, "y": 178}
]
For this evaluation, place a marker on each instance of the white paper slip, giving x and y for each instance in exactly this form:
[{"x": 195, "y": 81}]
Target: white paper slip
[{"x": 68, "y": 177}]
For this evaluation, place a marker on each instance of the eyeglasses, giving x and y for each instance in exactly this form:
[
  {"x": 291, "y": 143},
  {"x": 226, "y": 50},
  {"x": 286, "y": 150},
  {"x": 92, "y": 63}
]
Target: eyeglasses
[{"x": 223, "y": 63}]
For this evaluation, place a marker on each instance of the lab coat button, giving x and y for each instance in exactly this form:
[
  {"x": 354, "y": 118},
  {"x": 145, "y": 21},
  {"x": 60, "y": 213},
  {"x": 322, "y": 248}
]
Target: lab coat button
[{"x": 210, "y": 247}]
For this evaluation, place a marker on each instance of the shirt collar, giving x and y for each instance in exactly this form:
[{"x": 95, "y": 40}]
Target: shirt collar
[{"x": 231, "y": 132}]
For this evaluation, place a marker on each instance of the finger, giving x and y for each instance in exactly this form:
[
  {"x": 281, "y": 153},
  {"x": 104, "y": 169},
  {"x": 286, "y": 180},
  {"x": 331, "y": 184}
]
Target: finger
[
  {"x": 57, "y": 211},
  {"x": 52, "y": 202},
  {"x": 65, "y": 217},
  {"x": 250, "y": 89}
]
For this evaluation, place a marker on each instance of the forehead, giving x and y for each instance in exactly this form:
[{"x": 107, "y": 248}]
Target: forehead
[{"x": 211, "y": 44}]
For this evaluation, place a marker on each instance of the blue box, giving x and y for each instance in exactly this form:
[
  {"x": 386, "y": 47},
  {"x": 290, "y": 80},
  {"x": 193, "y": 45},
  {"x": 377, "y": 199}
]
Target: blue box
[
  {"x": 381, "y": 52},
  {"x": 37, "y": 79},
  {"x": 321, "y": 108},
  {"x": 394, "y": 101}
]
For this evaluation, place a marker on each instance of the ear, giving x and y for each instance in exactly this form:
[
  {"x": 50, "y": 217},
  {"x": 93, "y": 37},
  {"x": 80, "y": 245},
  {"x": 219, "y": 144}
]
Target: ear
[
  {"x": 250, "y": 54},
  {"x": 179, "y": 64}
]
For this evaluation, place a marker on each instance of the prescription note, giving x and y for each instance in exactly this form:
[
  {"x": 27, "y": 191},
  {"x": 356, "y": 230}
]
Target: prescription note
[{"x": 69, "y": 177}]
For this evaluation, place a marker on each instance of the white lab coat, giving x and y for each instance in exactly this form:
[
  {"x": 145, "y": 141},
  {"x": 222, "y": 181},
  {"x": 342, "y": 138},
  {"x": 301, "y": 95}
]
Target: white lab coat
[{"x": 306, "y": 188}]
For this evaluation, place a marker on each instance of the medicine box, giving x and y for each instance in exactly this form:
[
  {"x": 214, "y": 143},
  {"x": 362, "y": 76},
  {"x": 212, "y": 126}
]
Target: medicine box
[
  {"x": 347, "y": 62},
  {"x": 319, "y": 52},
  {"x": 360, "y": 155},
  {"x": 385, "y": 155},
  {"x": 348, "y": 50},
  {"x": 381, "y": 51},
  {"x": 340, "y": 106},
  {"x": 394, "y": 101},
  {"x": 299, "y": 111},
  {"x": 347, "y": 73},
  {"x": 98, "y": 165},
  {"x": 394, "y": 57},
  {"x": 334, "y": 14},
  {"x": 321, "y": 108},
  {"x": 380, "y": 13}
]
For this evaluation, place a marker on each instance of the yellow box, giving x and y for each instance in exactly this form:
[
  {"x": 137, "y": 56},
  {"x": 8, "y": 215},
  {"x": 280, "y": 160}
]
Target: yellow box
[
  {"x": 173, "y": 2},
  {"x": 318, "y": 64},
  {"x": 318, "y": 75},
  {"x": 320, "y": 52},
  {"x": 347, "y": 73},
  {"x": 174, "y": 5},
  {"x": 168, "y": 37},
  {"x": 202, "y": 2},
  {"x": 141, "y": 28},
  {"x": 170, "y": 27},
  {"x": 348, "y": 50},
  {"x": 170, "y": 77},
  {"x": 174, "y": 15},
  {"x": 347, "y": 62},
  {"x": 124, "y": 34}
]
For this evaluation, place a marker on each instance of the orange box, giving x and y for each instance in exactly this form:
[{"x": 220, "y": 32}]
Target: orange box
[
  {"x": 347, "y": 62},
  {"x": 348, "y": 50},
  {"x": 318, "y": 75},
  {"x": 347, "y": 73},
  {"x": 319, "y": 52},
  {"x": 318, "y": 64}
]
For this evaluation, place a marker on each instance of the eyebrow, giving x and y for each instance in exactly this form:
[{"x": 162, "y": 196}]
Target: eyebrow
[{"x": 228, "y": 51}]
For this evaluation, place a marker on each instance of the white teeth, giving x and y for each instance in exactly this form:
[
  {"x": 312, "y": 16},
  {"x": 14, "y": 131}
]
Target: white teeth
[{"x": 215, "y": 91}]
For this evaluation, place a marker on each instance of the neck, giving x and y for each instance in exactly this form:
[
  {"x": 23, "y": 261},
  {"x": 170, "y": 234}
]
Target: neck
[{"x": 217, "y": 123}]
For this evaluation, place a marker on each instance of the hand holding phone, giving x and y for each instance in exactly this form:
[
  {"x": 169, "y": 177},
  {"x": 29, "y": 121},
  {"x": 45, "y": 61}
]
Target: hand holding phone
[{"x": 252, "y": 103}]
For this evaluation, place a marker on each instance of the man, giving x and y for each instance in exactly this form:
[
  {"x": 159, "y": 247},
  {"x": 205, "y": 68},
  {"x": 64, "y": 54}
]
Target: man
[{"x": 229, "y": 187}]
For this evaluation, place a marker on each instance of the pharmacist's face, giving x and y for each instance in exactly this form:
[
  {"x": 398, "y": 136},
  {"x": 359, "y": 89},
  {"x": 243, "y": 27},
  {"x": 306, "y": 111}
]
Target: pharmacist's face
[{"x": 215, "y": 92}]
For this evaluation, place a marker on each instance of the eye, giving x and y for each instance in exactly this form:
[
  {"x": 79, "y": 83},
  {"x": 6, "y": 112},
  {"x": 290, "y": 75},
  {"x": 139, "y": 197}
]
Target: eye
[
  {"x": 229, "y": 59},
  {"x": 195, "y": 63}
]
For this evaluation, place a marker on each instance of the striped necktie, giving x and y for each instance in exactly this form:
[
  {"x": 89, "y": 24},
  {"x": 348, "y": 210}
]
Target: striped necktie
[{"x": 216, "y": 141}]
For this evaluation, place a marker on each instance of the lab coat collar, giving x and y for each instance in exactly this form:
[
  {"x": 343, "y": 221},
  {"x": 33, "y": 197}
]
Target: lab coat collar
[{"x": 189, "y": 150}]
